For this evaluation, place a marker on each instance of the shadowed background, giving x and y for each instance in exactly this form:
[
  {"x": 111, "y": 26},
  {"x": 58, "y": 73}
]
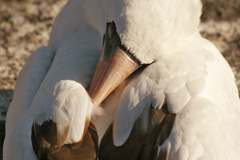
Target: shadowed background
[{"x": 25, "y": 26}]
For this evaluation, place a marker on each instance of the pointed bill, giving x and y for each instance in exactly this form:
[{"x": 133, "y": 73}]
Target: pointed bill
[
  {"x": 115, "y": 66},
  {"x": 110, "y": 74}
]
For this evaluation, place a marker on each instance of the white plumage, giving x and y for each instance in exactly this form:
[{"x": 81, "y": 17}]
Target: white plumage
[{"x": 188, "y": 73}]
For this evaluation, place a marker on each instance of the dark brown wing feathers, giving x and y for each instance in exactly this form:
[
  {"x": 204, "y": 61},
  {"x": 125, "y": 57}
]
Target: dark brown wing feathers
[
  {"x": 142, "y": 144},
  {"x": 48, "y": 145}
]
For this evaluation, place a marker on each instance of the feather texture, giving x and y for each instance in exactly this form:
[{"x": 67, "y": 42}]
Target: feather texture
[
  {"x": 206, "y": 104},
  {"x": 187, "y": 78},
  {"x": 18, "y": 118}
]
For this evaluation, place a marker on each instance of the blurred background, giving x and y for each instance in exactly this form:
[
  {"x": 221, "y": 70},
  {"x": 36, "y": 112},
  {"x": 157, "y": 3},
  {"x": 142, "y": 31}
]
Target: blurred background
[{"x": 25, "y": 26}]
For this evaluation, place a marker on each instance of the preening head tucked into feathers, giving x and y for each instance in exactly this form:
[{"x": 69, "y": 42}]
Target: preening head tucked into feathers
[
  {"x": 148, "y": 26},
  {"x": 185, "y": 105}
]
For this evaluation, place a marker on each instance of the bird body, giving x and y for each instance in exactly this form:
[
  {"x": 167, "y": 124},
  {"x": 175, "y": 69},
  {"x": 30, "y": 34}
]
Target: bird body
[{"x": 187, "y": 80}]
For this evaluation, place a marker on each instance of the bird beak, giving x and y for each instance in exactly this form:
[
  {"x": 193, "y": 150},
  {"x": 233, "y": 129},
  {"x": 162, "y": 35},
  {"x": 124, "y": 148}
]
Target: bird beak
[
  {"x": 110, "y": 74},
  {"x": 114, "y": 66}
]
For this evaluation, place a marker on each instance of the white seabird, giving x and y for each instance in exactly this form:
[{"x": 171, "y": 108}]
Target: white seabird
[{"x": 183, "y": 105}]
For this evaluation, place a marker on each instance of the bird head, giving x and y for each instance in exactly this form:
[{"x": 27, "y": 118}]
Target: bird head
[
  {"x": 140, "y": 34},
  {"x": 150, "y": 28}
]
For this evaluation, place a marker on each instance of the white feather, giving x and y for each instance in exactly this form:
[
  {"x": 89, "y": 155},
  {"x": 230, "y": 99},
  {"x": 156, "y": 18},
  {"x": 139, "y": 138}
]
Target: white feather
[
  {"x": 202, "y": 93},
  {"x": 18, "y": 118},
  {"x": 18, "y": 144},
  {"x": 189, "y": 73},
  {"x": 71, "y": 108},
  {"x": 28, "y": 83}
]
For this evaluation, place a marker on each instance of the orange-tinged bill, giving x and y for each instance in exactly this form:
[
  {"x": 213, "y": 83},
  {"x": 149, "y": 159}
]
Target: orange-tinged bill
[{"x": 109, "y": 74}]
